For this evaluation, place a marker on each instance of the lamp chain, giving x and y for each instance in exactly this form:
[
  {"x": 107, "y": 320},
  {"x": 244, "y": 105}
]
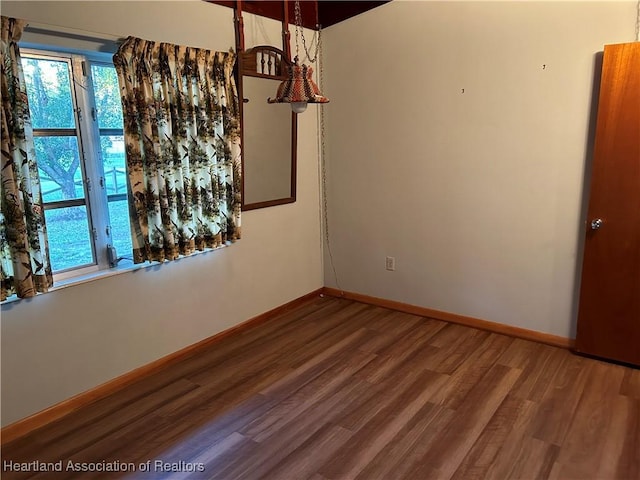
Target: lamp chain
[
  {"x": 638, "y": 21},
  {"x": 300, "y": 32},
  {"x": 323, "y": 173}
]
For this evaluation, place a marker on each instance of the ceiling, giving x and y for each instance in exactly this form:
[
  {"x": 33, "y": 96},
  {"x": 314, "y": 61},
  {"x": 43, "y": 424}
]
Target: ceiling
[
  {"x": 322, "y": 12},
  {"x": 331, "y": 13}
]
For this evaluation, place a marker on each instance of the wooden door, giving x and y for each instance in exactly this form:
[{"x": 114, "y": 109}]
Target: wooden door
[{"x": 609, "y": 312}]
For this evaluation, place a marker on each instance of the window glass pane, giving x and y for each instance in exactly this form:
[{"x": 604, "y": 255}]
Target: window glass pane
[
  {"x": 115, "y": 173},
  {"x": 59, "y": 168},
  {"x": 49, "y": 93},
  {"x": 120, "y": 231},
  {"x": 69, "y": 237},
  {"x": 107, "y": 94}
]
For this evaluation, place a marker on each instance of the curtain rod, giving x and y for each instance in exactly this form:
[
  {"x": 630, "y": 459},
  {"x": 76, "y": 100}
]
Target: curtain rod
[{"x": 35, "y": 27}]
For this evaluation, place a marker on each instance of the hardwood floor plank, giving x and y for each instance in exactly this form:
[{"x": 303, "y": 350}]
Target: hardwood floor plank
[
  {"x": 476, "y": 365},
  {"x": 317, "y": 476},
  {"x": 223, "y": 390},
  {"x": 332, "y": 330},
  {"x": 467, "y": 342},
  {"x": 409, "y": 445},
  {"x": 420, "y": 333},
  {"x": 560, "y": 400},
  {"x": 491, "y": 454},
  {"x": 317, "y": 390},
  {"x": 100, "y": 411},
  {"x": 456, "y": 440},
  {"x": 620, "y": 457},
  {"x": 288, "y": 436},
  {"x": 631, "y": 383},
  {"x": 539, "y": 364},
  {"x": 306, "y": 460},
  {"x": 208, "y": 457},
  {"x": 521, "y": 455},
  {"x": 109, "y": 448},
  {"x": 449, "y": 357},
  {"x": 313, "y": 367},
  {"x": 359, "y": 411},
  {"x": 186, "y": 436},
  {"x": 535, "y": 459},
  {"x": 628, "y": 465},
  {"x": 54, "y": 447},
  {"x": 376, "y": 434},
  {"x": 404, "y": 352},
  {"x": 593, "y": 414},
  {"x": 212, "y": 421},
  {"x": 396, "y": 323}
]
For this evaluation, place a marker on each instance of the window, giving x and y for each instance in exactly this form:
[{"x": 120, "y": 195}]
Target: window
[{"x": 76, "y": 116}]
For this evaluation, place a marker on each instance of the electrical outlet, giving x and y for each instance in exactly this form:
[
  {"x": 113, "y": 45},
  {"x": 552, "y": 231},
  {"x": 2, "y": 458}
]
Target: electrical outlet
[{"x": 391, "y": 263}]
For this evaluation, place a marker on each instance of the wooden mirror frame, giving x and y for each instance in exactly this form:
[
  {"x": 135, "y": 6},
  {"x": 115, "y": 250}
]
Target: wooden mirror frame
[{"x": 273, "y": 65}]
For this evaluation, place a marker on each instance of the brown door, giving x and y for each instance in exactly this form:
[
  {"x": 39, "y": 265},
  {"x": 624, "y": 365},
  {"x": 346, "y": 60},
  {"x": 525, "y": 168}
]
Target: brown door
[{"x": 609, "y": 312}]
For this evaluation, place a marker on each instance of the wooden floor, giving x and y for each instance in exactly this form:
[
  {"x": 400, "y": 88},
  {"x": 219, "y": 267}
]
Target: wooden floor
[{"x": 340, "y": 390}]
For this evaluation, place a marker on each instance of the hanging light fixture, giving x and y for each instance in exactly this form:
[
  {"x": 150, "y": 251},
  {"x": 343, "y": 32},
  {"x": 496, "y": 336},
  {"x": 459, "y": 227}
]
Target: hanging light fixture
[{"x": 299, "y": 89}]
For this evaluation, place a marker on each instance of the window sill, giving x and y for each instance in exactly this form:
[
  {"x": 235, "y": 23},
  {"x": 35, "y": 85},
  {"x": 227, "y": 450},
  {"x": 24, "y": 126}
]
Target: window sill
[
  {"x": 90, "y": 277},
  {"x": 86, "y": 278},
  {"x": 100, "y": 274}
]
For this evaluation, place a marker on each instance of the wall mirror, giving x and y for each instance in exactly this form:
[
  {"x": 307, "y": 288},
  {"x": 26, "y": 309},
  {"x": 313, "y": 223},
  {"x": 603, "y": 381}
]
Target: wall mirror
[{"x": 269, "y": 131}]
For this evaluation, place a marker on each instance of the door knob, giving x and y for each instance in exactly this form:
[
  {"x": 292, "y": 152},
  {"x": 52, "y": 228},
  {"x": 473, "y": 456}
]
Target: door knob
[{"x": 596, "y": 224}]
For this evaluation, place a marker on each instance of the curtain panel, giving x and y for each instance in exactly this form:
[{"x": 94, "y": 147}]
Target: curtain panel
[
  {"x": 181, "y": 129},
  {"x": 24, "y": 251}
]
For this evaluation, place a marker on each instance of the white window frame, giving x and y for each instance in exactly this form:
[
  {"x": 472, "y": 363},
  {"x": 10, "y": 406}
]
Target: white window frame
[{"x": 91, "y": 162}]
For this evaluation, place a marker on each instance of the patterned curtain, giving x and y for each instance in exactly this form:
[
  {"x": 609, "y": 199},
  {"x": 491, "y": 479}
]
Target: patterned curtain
[
  {"x": 24, "y": 256},
  {"x": 181, "y": 128}
]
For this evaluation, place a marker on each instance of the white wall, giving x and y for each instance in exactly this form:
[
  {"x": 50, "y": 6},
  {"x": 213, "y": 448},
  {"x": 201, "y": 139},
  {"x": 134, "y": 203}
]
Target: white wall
[
  {"x": 478, "y": 194},
  {"x": 70, "y": 340}
]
